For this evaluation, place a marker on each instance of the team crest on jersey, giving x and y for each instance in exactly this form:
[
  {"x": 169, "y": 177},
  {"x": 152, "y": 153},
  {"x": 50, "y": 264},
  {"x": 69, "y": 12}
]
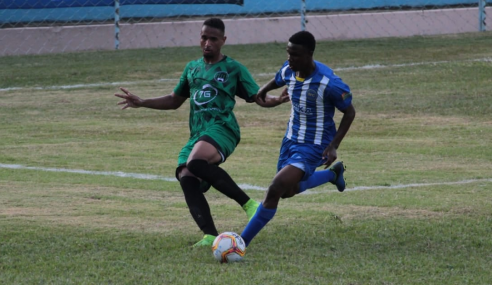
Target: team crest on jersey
[
  {"x": 221, "y": 76},
  {"x": 311, "y": 94},
  {"x": 204, "y": 96}
]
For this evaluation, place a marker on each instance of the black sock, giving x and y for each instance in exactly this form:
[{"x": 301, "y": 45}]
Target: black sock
[
  {"x": 198, "y": 205},
  {"x": 219, "y": 179}
]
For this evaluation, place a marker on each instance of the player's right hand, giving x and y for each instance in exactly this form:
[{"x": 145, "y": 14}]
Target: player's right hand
[{"x": 131, "y": 100}]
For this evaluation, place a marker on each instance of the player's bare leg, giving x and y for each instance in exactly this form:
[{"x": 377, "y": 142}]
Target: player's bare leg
[{"x": 284, "y": 185}]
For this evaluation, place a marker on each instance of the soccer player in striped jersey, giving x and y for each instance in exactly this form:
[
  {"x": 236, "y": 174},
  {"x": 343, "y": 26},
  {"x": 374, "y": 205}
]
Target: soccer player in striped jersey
[
  {"x": 211, "y": 83},
  {"x": 311, "y": 139}
]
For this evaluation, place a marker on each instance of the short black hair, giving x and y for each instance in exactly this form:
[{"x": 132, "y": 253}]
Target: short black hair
[
  {"x": 215, "y": 23},
  {"x": 305, "y": 39}
]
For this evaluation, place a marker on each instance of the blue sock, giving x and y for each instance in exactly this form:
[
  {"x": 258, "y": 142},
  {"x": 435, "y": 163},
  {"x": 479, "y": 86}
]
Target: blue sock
[
  {"x": 318, "y": 178},
  {"x": 259, "y": 220}
]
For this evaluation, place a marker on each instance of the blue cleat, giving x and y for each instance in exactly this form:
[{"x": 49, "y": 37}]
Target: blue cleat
[{"x": 338, "y": 168}]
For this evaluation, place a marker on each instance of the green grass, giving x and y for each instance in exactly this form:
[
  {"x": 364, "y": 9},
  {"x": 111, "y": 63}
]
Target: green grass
[{"x": 418, "y": 151}]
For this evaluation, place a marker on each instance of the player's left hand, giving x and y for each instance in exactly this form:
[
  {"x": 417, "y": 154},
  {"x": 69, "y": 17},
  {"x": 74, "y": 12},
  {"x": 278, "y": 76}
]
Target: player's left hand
[{"x": 329, "y": 156}]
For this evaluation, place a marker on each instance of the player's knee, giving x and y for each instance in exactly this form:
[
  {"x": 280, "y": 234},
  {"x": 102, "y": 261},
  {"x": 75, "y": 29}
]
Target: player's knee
[
  {"x": 278, "y": 189},
  {"x": 197, "y": 167},
  {"x": 289, "y": 193},
  {"x": 274, "y": 192}
]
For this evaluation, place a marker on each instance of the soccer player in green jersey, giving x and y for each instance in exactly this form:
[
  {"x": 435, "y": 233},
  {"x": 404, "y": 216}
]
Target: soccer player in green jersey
[{"x": 211, "y": 83}]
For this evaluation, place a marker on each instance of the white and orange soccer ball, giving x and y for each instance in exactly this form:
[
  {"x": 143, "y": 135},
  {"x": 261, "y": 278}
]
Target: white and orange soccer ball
[{"x": 228, "y": 247}]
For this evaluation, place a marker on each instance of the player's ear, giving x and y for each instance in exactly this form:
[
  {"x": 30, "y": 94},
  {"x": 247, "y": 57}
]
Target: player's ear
[{"x": 225, "y": 38}]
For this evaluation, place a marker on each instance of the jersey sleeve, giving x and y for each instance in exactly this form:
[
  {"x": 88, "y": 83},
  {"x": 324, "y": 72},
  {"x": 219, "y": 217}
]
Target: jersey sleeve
[
  {"x": 246, "y": 85},
  {"x": 280, "y": 76},
  {"x": 183, "y": 87},
  {"x": 340, "y": 94}
]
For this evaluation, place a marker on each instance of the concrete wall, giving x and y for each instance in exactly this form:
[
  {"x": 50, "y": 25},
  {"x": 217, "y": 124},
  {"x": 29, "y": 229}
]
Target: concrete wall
[{"x": 239, "y": 31}]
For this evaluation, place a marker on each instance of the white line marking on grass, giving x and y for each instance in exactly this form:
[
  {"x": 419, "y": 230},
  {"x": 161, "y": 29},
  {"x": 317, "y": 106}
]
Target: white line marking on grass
[
  {"x": 376, "y": 66},
  {"x": 360, "y": 188},
  {"x": 350, "y": 68},
  {"x": 123, "y": 83},
  {"x": 243, "y": 186},
  {"x": 379, "y": 66},
  {"x": 80, "y": 171}
]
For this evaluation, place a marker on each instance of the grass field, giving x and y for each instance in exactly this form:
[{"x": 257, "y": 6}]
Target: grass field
[{"x": 87, "y": 194}]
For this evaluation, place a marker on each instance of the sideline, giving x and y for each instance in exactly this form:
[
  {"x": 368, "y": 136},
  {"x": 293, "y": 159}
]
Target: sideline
[
  {"x": 349, "y": 68},
  {"x": 243, "y": 186}
]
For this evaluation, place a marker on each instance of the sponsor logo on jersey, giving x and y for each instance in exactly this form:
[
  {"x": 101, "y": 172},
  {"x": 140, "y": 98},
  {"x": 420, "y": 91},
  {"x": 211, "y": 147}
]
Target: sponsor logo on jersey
[
  {"x": 303, "y": 109},
  {"x": 204, "y": 96},
  {"x": 221, "y": 76}
]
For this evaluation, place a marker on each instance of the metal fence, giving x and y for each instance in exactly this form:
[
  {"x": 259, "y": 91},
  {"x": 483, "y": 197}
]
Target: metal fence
[{"x": 53, "y": 26}]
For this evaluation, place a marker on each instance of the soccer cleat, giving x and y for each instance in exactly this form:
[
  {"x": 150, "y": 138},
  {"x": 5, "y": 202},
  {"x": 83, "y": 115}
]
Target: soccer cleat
[
  {"x": 338, "y": 168},
  {"x": 207, "y": 240},
  {"x": 250, "y": 208}
]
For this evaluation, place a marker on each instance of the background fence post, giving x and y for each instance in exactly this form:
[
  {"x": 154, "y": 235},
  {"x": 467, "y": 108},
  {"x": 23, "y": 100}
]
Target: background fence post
[
  {"x": 482, "y": 26},
  {"x": 116, "y": 24},
  {"x": 303, "y": 15}
]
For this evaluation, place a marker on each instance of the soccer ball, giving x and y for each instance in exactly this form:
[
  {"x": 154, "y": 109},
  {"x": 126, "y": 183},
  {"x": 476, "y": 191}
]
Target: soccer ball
[{"x": 228, "y": 247}]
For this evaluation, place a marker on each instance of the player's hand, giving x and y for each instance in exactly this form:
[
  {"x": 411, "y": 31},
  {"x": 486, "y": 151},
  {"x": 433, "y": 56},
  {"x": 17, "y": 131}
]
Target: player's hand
[
  {"x": 131, "y": 100},
  {"x": 329, "y": 156},
  {"x": 284, "y": 97}
]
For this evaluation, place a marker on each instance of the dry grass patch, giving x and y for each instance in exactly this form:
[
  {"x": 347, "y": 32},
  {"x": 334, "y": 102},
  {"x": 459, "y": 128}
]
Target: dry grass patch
[
  {"x": 95, "y": 207},
  {"x": 352, "y": 212}
]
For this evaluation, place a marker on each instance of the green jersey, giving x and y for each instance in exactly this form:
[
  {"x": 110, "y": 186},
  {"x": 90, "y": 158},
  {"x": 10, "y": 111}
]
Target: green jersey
[{"x": 212, "y": 89}]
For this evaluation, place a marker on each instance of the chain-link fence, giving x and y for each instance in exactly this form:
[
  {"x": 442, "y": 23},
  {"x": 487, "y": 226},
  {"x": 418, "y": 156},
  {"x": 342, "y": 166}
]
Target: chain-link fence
[{"x": 52, "y": 26}]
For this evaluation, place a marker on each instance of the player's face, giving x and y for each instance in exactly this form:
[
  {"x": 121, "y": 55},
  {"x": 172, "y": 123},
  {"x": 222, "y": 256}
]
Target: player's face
[
  {"x": 299, "y": 57},
  {"x": 211, "y": 41}
]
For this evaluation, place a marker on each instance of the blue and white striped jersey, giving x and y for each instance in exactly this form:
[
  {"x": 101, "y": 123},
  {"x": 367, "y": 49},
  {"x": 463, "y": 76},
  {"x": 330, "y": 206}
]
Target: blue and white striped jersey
[{"x": 314, "y": 100}]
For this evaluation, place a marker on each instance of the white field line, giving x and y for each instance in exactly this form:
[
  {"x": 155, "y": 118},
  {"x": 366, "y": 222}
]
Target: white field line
[
  {"x": 123, "y": 83},
  {"x": 411, "y": 185},
  {"x": 243, "y": 186},
  {"x": 80, "y": 171},
  {"x": 127, "y": 83}
]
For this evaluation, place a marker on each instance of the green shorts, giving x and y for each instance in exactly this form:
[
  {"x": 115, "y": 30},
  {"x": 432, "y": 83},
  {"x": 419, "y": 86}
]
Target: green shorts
[{"x": 220, "y": 136}]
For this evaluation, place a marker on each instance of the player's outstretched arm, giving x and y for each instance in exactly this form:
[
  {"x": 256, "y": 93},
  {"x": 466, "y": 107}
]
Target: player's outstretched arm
[{"x": 167, "y": 102}]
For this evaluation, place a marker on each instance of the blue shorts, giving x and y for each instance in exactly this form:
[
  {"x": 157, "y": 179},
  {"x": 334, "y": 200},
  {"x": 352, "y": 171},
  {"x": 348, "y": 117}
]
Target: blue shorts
[{"x": 306, "y": 157}]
